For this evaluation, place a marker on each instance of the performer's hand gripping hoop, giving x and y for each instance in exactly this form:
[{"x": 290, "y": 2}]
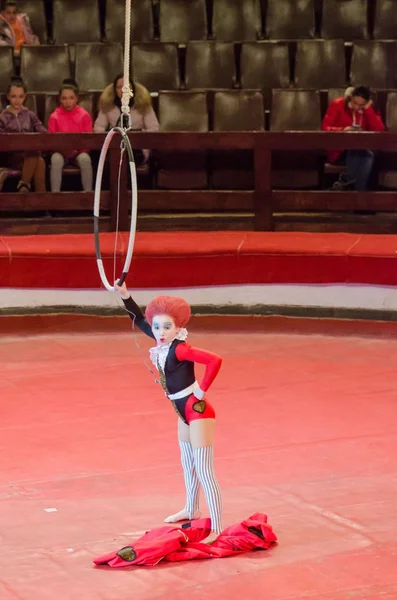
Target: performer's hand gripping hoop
[{"x": 125, "y": 145}]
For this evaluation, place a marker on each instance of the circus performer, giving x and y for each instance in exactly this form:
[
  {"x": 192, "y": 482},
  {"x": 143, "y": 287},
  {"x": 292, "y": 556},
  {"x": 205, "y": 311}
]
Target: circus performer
[{"x": 166, "y": 317}]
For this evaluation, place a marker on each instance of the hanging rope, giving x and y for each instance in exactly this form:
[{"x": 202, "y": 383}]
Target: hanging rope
[
  {"x": 125, "y": 147},
  {"x": 127, "y": 92}
]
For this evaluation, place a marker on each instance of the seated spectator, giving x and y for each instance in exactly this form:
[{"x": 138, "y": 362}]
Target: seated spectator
[
  {"x": 69, "y": 117},
  {"x": 143, "y": 117},
  {"x": 353, "y": 112},
  {"x": 16, "y": 118},
  {"x": 15, "y": 29}
]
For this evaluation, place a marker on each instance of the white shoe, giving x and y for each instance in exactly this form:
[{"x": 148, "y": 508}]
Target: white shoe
[{"x": 182, "y": 515}]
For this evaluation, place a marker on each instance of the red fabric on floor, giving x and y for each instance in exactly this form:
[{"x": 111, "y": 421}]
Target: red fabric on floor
[
  {"x": 185, "y": 259},
  {"x": 175, "y": 543}
]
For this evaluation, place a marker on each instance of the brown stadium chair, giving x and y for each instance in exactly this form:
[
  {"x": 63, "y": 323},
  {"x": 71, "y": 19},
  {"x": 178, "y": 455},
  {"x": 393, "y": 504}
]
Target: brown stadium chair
[
  {"x": 35, "y": 9},
  {"x": 6, "y": 66},
  {"x": 31, "y": 103},
  {"x": 182, "y": 20},
  {"x": 105, "y": 63},
  {"x": 156, "y": 66},
  {"x": 182, "y": 111},
  {"x": 141, "y": 21},
  {"x": 374, "y": 64},
  {"x": 295, "y": 110},
  {"x": 236, "y": 110},
  {"x": 264, "y": 65},
  {"x": 344, "y": 19},
  {"x": 387, "y": 175},
  {"x": 210, "y": 65},
  {"x": 320, "y": 64},
  {"x": 44, "y": 67},
  {"x": 76, "y": 21},
  {"x": 290, "y": 19},
  {"x": 334, "y": 93},
  {"x": 236, "y": 20},
  {"x": 385, "y": 26}
]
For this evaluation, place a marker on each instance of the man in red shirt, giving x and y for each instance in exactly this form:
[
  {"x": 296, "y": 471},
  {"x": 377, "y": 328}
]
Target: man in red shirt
[{"x": 354, "y": 112}]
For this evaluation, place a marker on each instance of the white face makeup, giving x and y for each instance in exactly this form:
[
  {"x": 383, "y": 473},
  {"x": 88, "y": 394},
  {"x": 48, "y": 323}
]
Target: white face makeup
[{"x": 164, "y": 329}]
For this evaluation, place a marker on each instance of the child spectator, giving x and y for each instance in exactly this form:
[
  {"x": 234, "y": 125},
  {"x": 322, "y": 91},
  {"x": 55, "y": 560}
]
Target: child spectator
[
  {"x": 15, "y": 28},
  {"x": 69, "y": 117},
  {"x": 143, "y": 117},
  {"x": 16, "y": 118}
]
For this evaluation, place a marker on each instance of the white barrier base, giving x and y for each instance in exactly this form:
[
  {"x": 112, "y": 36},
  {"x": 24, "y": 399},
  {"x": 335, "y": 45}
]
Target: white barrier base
[{"x": 367, "y": 297}]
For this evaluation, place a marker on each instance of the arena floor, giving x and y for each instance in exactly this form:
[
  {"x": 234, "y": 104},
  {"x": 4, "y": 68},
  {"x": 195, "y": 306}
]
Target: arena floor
[{"x": 89, "y": 461}]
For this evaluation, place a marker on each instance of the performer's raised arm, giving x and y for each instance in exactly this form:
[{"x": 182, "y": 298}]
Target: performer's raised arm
[{"x": 133, "y": 310}]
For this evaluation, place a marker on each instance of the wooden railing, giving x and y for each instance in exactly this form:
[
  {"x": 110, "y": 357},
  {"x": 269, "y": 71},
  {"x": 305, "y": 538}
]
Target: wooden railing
[{"x": 262, "y": 201}]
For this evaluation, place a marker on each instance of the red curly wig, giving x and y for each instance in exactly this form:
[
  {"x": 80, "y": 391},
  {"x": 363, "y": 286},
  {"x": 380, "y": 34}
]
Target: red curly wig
[{"x": 175, "y": 307}]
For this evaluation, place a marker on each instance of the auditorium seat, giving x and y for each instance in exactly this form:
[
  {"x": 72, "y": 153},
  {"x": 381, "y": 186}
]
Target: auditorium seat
[
  {"x": 236, "y": 20},
  {"x": 295, "y": 110},
  {"x": 155, "y": 66},
  {"x": 290, "y": 19},
  {"x": 35, "y": 9},
  {"x": 320, "y": 64},
  {"x": 141, "y": 21},
  {"x": 182, "y": 20},
  {"x": 210, "y": 65},
  {"x": 264, "y": 65},
  {"x": 385, "y": 22},
  {"x": 334, "y": 93},
  {"x": 31, "y": 103},
  {"x": 387, "y": 176},
  {"x": 97, "y": 65},
  {"x": 75, "y": 21},
  {"x": 44, "y": 67},
  {"x": 6, "y": 66},
  {"x": 236, "y": 110},
  {"x": 182, "y": 111},
  {"x": 374, "y": 63},
  {"x": 344, "y": 19}
]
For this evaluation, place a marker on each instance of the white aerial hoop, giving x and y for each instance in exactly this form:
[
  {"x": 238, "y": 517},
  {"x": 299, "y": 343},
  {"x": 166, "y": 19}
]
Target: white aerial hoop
[{"x": 125, "y": 126}]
